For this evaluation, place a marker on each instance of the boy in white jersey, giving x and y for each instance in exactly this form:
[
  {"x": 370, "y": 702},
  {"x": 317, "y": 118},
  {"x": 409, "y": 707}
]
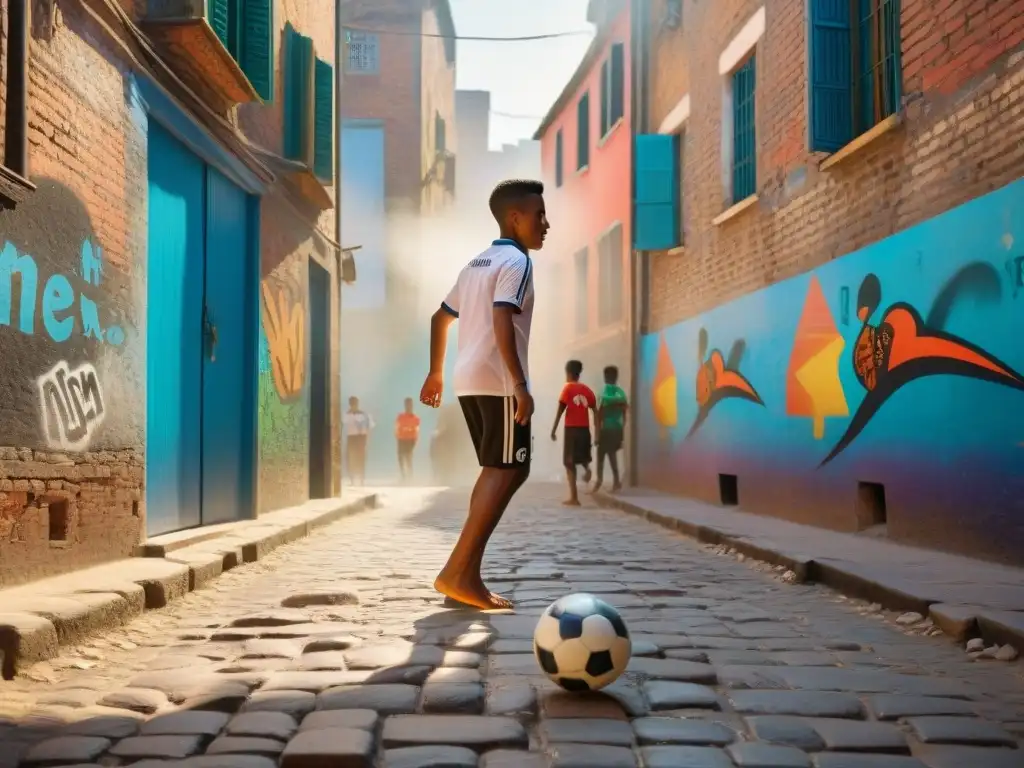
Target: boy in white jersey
[{"x": 493, "y": 300}]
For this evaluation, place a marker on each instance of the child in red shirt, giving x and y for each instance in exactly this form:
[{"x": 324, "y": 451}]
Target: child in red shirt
[
  {"x": 576, "y": 402},
  {"x": 407, "y": 432}
]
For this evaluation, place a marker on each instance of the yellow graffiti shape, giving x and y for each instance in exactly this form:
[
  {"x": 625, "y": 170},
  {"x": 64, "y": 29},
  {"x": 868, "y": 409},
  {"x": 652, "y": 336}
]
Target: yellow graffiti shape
[
  {"x": 284, "y": 321},
  {"x": 820, "y": 380},
  {"x": 665, "y": 389}
]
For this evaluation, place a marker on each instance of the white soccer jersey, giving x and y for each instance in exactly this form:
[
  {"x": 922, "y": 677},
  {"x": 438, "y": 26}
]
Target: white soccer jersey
[{"x": 501, "y": 275}]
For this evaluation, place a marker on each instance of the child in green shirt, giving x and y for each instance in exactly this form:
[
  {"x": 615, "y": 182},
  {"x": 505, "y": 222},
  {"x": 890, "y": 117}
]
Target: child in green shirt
[{"x": 611, "y": 420}]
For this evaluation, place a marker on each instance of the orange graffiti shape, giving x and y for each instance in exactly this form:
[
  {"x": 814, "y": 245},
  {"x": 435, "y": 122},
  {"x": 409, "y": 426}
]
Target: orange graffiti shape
[{"x": 284, "y": 321}]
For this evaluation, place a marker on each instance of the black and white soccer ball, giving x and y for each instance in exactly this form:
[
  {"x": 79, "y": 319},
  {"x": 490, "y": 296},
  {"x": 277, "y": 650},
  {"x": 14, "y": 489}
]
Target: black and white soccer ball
[{"x": 582, "y": 643}]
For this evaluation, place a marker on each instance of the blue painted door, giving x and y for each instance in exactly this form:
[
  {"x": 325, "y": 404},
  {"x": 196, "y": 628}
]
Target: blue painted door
[
  {"x": 229, "y": 362},
  {"x": 174, "y": 334}
]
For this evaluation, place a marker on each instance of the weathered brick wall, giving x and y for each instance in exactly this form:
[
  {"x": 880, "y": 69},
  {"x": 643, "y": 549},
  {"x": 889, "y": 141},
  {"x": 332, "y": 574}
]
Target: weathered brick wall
[
  {"x": 963, "y": 90},
  {"x": 71, "y": 389},
  {"x": 288, "y": 244}
]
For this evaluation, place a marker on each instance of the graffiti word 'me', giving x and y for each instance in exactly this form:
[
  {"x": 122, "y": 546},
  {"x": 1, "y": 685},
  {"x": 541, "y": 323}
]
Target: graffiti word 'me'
[
  {"x": 58, "y": 297},
  {"x": 72, "y": 405}
]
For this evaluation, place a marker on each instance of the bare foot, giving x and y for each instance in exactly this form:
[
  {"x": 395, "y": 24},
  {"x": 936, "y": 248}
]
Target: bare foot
[
  {"x": 587, "y": 474},
  {"x": 597, "y": 487},
  {"x": 617, "y": 487},
  {"x": 571, "y": 503},
  {"x": 468, "y": 593}
]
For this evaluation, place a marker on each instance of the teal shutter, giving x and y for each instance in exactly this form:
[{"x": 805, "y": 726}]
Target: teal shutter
[
  {"x": 218, "y": 14},
  {"x": 656, "y": 183},
  {"x": 605, "y": 97},
  {"x": 256, "y": 57},
  {"x": 618, "y": 77},
  {"x": 323, "y": 132},
  {"x": 831, "y": 75},
  {"x": 583, "y": 132},
  {"x": 298, "y": 96},
  {"x": 744, "y": 147},
  {"x": 559, "y": 151}
]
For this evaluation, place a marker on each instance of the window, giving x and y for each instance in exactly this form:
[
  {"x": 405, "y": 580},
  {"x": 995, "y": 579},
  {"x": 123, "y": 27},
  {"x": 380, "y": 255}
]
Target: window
[
  {"x": 308, "y": 105},
  {"x": 583, "y": 132},
  {"x": 744, "y": 150},
  {"x": 14, "y": 184},
  {"x": 440, "y": 137},
  {"x": 559, "y": 150},
  {"x": 855, "y": 72},
  {"x": 613, "y": 80},
  {"x": 363, "y": 53},
  {"x": 582, "y": 295},
  {"x": 609, "y": 257},
  {"x": 246, "y": 29}
]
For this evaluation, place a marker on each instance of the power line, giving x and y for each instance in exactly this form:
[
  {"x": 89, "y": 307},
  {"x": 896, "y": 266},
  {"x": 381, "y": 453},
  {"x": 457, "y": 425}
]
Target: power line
[
  {"x": 478, "y": 38},
  {"x": 512, "y": 116}
]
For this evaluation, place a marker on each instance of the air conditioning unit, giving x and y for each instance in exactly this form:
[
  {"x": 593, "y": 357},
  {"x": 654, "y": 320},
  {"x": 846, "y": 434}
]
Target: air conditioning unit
[{"x": 673, "y": 14}]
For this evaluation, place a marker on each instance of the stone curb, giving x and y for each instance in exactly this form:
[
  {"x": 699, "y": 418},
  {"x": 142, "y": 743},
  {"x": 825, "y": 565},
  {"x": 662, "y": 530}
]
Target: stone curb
[
  {"x": 959, "y": 622},
  {"x": 36, "y": 619}
]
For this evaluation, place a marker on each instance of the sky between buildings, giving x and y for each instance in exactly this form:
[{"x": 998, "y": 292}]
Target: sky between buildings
[{"x": 524, "y": 78}]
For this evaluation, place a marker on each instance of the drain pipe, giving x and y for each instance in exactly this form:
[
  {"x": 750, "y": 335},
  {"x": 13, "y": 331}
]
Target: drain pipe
[
  {"x": 639, "y": 58},
  {"x": 16, "y": 123},
  {"x": 339, "y": 76}
]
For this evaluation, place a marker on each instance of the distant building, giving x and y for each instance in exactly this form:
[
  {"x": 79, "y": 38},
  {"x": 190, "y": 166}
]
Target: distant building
[{"x": 585, "y": 155}]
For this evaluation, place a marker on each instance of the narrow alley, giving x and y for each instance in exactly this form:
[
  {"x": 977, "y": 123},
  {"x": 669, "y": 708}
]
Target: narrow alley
[{"x": 334, "y": 651}]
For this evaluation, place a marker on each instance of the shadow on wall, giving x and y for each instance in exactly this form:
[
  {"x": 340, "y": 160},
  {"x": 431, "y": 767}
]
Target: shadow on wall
[
  {"x": 885, "y": 387},
  {"x": 67, "y": 331}
]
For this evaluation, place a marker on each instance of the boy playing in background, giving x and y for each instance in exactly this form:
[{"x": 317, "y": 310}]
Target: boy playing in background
[
  {"x": 576, "y": 402},
  {"x": 611, "y": 426},
  {"x": 407, "y": 432}
]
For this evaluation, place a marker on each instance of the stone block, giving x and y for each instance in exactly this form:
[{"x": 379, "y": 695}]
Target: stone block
[
  {"x": 473, "y": 731},
  {"x": 329, "y": 748}
]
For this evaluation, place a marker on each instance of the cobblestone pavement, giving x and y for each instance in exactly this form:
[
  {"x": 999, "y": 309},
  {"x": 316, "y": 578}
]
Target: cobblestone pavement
[{"x": 334, "y": 651}]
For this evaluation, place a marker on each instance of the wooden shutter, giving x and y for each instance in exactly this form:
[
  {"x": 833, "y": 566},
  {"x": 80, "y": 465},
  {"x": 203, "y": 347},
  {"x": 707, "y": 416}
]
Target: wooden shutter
[
  {"x": 218, "y": 14},
  {"x": 256, "y": 57},
  {"x": 656, "y": 222},
  {"x": 559, "y": 151},
  {"x": 323, "y": 121},
  {"x": 830, "y": 75},
  {"x": 605, "y": 97},
  {"x": 618, "y": 83},
  {"x": 298, "y": 93},
  {"x": 583, "y": 132}
]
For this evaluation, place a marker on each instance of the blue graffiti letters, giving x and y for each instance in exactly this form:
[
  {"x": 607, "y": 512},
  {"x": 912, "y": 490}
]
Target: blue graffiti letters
[{"x": 58, "y": 297}]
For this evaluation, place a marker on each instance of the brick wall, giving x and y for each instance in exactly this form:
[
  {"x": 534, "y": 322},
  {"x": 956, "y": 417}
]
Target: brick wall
[
  {"x": 71, "y": 480},
  {"x": 963, "y": 90}
]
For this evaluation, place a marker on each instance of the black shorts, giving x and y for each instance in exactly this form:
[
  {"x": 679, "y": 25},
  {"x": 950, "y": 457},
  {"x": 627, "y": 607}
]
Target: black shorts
[
  {"x": 406, "y": 447},
  {"x": 499, "y": 440},
  {"x": 576, "y": 446},
  {"x": 609, "y": 440}
]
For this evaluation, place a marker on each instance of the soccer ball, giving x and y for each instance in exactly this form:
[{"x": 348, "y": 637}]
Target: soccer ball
[{"x": 582, "y": 643}]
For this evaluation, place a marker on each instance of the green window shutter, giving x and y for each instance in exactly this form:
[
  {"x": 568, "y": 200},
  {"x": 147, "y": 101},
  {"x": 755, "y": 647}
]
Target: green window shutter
[
  {"x": 605, "y": 97},
  {"x": 323, "y": 140},
  {"x": 583, "y": 132},
  {"x": 298, "y": 101},
  {"x": 618, "y": 87},
  {"x": 559, "y": 150},
  {"x": 218, "y": 14},
  {"x": 256, "y": 57},
  {"x": 656, "y": 182},
  {"x": 830, "y": 75}
]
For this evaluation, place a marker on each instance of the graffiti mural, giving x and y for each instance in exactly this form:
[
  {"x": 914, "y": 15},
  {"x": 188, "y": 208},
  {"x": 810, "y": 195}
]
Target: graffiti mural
[
  {"x": 899, "y": 365},
  {"x": 72, "y": 405},
  {"x": 66, "y": 330},
  {"x": 283, "y": 400},
  {"x": 284, "y": 324}
]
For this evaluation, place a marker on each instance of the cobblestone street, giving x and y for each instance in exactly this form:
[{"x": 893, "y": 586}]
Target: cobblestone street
[{"x": 334, "y": 651}]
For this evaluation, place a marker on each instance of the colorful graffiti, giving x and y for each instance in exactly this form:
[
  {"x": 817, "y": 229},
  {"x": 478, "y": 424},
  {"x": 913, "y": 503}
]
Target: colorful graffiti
[
  {"x": 917, "y": 388},
  {"x": 284, "y": 323}
]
